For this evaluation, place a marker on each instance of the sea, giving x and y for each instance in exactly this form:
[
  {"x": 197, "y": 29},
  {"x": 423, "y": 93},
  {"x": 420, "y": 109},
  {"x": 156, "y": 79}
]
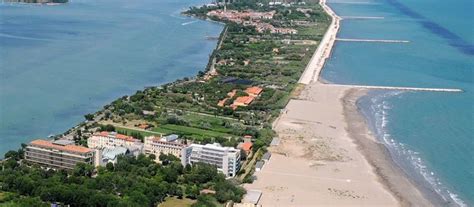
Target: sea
[
  {"x": 429, "y": 134},
  {"x": 58, "y": 63}
]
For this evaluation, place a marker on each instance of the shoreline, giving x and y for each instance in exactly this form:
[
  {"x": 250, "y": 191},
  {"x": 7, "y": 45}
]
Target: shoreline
[
  {"x": 387, "y": 173},
  {"x": 377, "y": 154},
  {"x": 353, "y": 115},
  {"x": 316, "y": 64}
]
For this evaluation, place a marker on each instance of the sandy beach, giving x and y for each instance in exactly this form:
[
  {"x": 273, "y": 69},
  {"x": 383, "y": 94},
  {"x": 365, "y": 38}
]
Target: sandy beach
[{"x": 327, "y": 156}]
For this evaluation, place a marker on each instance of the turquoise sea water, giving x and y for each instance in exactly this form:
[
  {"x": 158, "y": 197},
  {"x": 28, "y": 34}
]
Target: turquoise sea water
[
  {"x": 58, "y": 63},
  {"x": 430, "y": 135}
]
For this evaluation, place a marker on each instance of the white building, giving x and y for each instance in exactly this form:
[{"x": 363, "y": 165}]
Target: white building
[
  {"x": 112, "y": 139},
  {"x": 166, "y": 145},
  {"x": 110, "y": 155},
  {"x": 226, "y": 159}
]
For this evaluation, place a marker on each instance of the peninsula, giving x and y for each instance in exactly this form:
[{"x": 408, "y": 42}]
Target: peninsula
[
  {"x": 153, "y": 147},
  {"x": 258, "y": 126}
]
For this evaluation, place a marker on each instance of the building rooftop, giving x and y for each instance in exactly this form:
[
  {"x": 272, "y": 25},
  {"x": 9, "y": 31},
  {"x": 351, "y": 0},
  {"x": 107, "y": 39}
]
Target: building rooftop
[
  {"x": 259, "y": 164},
  {"x": 63, "y": 142},
  {"x": 68, "y": 147},
  {"x": 112, "y": 153},
  {"x": 246, "y": 100},
  {"x": 116, "y": 135},
  {"x": 246, "y": 146},
  {"x": 232, "y": 93},
  {"x": 221, "y": 103},
  {"x": 254, "y": 90},
  {"x": 215, "y": 146},
  {"x": 252, "y": 196},
  {"x": 266, "y": 156},
  {"x": 170, "y": 138}
]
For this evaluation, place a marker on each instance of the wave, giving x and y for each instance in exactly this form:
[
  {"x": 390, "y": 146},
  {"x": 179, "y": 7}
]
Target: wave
[
  {"x": 378, "y": 115},
  {"x": 186, "y": 23},
  {"x": 24, "y": 37}
]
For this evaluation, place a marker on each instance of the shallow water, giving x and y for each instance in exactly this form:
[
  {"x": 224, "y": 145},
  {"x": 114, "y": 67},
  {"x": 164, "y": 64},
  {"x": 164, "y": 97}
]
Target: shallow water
[
  {"x": 58, "y": 63},
  {"x": 428, "y": 134}
]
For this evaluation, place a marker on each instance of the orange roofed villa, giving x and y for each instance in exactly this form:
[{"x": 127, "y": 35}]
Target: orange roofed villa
[{"x": 252, "y": 93}]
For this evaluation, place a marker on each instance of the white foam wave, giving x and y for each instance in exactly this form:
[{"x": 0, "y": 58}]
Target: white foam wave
[
  {"x": 186, "y": 23},
  {"x": 380, "y": 108},
  {"x": 23, "y": 37}
]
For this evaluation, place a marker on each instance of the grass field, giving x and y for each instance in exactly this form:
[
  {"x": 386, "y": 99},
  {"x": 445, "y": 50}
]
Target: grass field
[
  {"x": 215, "y": 122},
  {"x": 174, "y": 202},
  {"x": 144, "y": 133},
  {"x": 190, "y": 131}
]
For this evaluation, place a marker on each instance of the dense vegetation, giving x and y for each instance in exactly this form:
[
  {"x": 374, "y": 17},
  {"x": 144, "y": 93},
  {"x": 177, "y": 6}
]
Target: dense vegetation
[
  {"x": 186, "y": 107},
  {"x": 130, "y": 182}
]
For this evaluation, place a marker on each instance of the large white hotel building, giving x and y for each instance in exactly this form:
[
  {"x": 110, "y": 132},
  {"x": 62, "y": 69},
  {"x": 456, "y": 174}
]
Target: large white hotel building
[{"x": 226, "y": 159}]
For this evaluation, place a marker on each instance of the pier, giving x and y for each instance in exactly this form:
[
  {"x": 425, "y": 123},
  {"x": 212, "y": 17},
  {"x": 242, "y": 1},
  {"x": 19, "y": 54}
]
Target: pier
[
  {"x": 452, "y": 90},
  {"x": 371, "y": 40},
  {"x": 212, "y": 37},
  {"x": 351, "y": 2},
  {"x": 361, "y": 17}
]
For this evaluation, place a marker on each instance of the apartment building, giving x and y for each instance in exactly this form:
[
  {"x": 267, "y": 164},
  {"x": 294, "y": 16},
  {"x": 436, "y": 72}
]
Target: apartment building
[
  {"x": 113, "y": 139},
  {"x": 167, "y": 145},
  {"x": 60, "y": 154},
  {"x": 226, "y": 159}
]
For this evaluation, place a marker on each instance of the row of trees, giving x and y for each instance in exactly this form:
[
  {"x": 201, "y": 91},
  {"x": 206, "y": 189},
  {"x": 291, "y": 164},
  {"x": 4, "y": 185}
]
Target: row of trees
[{"x": 130, "y": 182}]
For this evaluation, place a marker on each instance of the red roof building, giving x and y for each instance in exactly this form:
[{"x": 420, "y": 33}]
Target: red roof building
[
  {"x": 254, "y": 91},
  {"x": 243, "y": 101}
]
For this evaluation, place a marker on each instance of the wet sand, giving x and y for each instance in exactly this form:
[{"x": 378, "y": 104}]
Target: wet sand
[{"x": 328, "y": 157}]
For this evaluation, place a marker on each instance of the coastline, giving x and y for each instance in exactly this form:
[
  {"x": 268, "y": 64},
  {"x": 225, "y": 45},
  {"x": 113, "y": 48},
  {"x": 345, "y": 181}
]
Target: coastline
[
  {"x": 386, "y": 173},
  {"x": 377, "y": 154}
]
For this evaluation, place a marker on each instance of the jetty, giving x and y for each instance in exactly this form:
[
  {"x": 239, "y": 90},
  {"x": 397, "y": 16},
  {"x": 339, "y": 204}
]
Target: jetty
[
  {"x": 398, "y": 88},
  {"x": 361, "y": 17},
  {"x": 312, "y": 71},
  {"x": 212, "y": 37},
  {"x": 371, "y": 40},
  {"x": 352, "y": 2}
]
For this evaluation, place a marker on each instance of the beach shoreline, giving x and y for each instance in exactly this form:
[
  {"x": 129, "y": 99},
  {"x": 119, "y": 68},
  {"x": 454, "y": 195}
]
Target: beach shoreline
[
  {"x": 377, "y": 154},
  {"x": 353, "y": 145}
]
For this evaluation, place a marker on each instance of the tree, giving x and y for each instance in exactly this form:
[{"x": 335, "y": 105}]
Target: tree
[
  {"x": 12, "y": 155},
  {"x": 108, "y": 127},
  {"x": 110, "y": 167},
  {"x": 89, "y": 117},
  {"x": 192, "y": 191},
  {"x": 225, "y": 191},
  {"x": 179, "y": 192},
  {"x": 204, "y": 201},
  {"x": 83, "y": 169}
]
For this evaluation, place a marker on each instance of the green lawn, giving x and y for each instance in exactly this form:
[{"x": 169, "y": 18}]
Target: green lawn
[
  {"x": 147, "y": 133},
  {"x": 174, "y": 202},
  {"x": 216, "y": 122},
  {"x": 191, "y": 131}
]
